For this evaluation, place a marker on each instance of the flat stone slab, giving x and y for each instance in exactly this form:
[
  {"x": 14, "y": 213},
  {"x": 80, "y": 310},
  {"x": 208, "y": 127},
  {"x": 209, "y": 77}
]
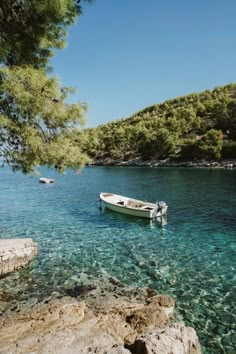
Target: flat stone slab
[{"x": 15, "y": 253}]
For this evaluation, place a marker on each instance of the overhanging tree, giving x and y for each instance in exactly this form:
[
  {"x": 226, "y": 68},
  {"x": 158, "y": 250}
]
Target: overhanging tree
[
  {"x": 37, "y": 126},
  {"x": 31, "y": 29}
]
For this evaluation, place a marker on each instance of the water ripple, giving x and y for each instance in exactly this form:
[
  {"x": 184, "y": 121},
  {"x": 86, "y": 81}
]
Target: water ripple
[{"x": 192, "y": 258}]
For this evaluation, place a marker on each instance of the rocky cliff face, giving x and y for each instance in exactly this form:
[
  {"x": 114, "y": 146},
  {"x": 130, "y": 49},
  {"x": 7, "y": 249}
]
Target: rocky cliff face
[{"x": 112, "y": 326}]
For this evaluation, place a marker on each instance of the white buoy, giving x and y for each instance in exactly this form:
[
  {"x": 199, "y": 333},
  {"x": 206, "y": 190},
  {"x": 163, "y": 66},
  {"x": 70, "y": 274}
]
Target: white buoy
[{"x": 46, "y": 180}]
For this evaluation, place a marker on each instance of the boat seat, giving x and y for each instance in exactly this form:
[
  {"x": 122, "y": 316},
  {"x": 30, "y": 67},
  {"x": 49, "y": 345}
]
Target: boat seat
[
  {"x": 134, "y": 205},
  {"x": 122, "y": 202}
]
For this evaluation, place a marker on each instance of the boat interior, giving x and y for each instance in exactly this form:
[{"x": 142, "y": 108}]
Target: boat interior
[{"x": 134, "y": 204}]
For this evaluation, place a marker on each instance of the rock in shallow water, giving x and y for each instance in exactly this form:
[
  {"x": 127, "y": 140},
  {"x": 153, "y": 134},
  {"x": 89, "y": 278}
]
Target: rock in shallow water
[{"x": 15, "y": 253}]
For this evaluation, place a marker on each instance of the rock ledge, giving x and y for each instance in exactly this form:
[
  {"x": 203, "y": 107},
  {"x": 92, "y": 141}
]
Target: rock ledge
[
  {"x": 68, "y": 326},
  {"x": 15, "y": 253}
]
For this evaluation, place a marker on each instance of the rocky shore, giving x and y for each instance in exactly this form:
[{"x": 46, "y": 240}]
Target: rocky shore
[
  {"x": 96, "y": 321},
  {"x": 137, "y": 161},
  {"x": 103, "y": 317}
]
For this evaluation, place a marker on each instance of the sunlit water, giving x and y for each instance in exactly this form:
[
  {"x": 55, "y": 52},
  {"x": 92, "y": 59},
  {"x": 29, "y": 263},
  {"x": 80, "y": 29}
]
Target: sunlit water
[{"x": 192, "y": 258}]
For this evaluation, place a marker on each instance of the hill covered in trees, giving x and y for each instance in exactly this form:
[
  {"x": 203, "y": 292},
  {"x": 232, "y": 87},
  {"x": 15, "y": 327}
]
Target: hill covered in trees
[{"x": 199, "y": 125}]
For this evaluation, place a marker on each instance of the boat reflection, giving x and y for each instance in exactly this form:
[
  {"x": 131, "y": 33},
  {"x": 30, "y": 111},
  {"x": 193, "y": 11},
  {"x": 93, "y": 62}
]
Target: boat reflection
[
  {"x": 162, "y": 220},
  {"x": 122, "y": 218}
]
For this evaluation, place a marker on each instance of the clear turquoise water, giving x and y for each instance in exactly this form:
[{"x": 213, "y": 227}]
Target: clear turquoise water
[{"x": 192, "y": 258}]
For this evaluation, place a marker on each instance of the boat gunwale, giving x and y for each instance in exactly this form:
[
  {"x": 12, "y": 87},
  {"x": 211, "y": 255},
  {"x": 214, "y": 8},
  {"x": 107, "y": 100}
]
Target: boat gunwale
[{"x": 145, "y": 204}]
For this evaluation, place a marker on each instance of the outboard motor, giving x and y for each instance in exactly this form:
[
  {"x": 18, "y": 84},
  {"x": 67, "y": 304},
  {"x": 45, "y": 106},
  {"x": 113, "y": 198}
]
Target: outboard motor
[{"x": 161, "y": 207}]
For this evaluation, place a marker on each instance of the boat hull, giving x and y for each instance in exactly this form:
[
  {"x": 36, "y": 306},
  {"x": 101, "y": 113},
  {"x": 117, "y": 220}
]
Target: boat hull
[{"x": 138, "y": 208}]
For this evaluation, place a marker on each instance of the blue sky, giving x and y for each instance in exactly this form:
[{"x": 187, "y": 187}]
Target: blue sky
[{"x": 124, "y": 55}]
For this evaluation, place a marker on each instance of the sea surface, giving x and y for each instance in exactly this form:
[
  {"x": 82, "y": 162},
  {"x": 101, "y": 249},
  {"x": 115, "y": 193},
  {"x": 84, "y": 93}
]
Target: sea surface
[{"x": 192, "y": 257}]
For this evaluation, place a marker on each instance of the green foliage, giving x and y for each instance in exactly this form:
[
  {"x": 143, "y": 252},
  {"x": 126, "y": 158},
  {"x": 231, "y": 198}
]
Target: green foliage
[
  {"x": 172, "y": 129},
  {"x": 229, "y": 149},
  {"x": 35, "y": 123},
  {"x": 30, "y": 29},
  {"x": 37, "y": 127},
  {"x": 211, "y": 144},
  {"x": 190, "y": 149}
]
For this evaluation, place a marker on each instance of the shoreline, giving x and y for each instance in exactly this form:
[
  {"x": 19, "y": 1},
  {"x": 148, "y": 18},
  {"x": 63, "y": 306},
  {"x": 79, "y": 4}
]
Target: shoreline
[{"x": 226, "y": 164}]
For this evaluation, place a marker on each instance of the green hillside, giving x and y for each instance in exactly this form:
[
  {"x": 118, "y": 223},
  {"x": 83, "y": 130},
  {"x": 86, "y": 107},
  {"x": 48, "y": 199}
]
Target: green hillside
[{"x": 199, "y": 125}]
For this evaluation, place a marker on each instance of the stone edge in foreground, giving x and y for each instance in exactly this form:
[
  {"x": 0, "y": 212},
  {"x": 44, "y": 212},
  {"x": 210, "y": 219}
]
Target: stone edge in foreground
[{"x": 15, "y": 253}]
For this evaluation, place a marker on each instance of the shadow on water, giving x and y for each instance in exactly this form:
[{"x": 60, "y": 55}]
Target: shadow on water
[{"x": 111, "y": 216}]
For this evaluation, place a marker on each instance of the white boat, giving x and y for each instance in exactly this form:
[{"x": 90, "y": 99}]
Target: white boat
[
  {"x": 133, "y": 207},
  {"x": 46, "y": 180}
]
